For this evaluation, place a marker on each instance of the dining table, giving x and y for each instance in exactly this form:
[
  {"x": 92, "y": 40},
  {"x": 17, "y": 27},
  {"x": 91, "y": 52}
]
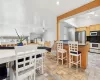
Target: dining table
[{"x": 8, "y": 56}]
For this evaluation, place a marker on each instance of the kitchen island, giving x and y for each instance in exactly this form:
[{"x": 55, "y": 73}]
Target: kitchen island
[{"x": 83, "y": 48}]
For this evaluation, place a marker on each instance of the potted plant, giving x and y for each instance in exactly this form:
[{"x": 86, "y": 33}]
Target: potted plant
[{"x": 21, "y": 39}]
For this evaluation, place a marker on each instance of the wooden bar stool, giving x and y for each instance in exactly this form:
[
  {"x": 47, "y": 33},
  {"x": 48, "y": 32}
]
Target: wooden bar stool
[
  {"x": 73, "y": 52},
  {"x": 61, "y": 53}
]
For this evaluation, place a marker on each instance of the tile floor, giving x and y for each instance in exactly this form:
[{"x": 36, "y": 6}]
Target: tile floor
[{"x": 52, "y": 71}]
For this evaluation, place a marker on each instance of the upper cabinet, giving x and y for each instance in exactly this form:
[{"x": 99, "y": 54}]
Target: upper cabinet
[
  {"x": 89, "y": 28},
  {"x": 92, "y": 28},
  {"x": 87, "y": 31},
  {"x": 77, "y": 29},
  {"x": 97, "y": 27},
  {"x": 81, "y": 29}
]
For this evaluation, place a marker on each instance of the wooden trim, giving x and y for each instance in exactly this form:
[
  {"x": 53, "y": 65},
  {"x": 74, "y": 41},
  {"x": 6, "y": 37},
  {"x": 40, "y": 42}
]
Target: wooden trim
[
  {"x": 58, "y": 30},
  {"x": 83, "y": 8}
]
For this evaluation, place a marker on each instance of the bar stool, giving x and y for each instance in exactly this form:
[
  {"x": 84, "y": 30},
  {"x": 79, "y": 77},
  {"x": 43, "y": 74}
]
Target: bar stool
[
  {"x": 61, "y": 52},
  {"x": 73, "y": 52}
]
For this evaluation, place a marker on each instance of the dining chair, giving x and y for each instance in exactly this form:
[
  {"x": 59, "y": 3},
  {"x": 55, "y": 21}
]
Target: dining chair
[
  {"x": 25, "y": 65},
  {"x": 61, "y": 53},
  {"x": 39, "y": 56},
  {"x": 73, "y": 52},
  {"x": 39, "y": 61}
]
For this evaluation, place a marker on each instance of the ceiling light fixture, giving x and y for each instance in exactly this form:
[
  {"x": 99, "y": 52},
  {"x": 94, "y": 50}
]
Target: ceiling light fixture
[
  {"x": 91, "y": 13},
  {"x": 88, "y": 17},
  {"x": 57, "y": 2},
  {"x": 96, "y": 15}
]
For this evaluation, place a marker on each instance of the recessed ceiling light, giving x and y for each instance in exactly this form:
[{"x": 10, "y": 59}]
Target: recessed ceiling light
[
  {"x": 96, "y": 15},
  {"x": 57, "y": 2},
  {"x": 88, "y": 17},
  {"x": 91, "y": 13}
]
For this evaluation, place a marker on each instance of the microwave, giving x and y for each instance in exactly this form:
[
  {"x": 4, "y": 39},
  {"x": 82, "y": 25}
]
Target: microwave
[{"x": 93, "y": 33}]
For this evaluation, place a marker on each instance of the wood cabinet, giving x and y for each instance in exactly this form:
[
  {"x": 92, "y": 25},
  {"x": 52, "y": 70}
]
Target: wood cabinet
[
  {"x": 92, "y": 28},
  {"x": 87, "y": 31},
  {"x": 81, "y": 29},
  {"x": 97, "y": 27},
  {"x": 89, "y": 28},
  {"x": 77, "y": 29}
]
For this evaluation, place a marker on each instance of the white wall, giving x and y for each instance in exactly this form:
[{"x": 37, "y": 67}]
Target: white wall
[
  {"x": 50, "y": 34},
  {"x": 62, "y": 30},
  {"x": 70, "y": 31},
  {"x": 10, "y": 31},
  {"x": 24, "y": 16},
  {"x": 71, "y": 34},
  {"x": 15, "y": 14}
]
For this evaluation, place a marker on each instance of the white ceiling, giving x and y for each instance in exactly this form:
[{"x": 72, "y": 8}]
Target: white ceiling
[
  {"x": 24, "y": 13},
  {"x": 85, "y": 19},
  {"x": 17, "y": 8},
  {"x": 63, "y": 7}
]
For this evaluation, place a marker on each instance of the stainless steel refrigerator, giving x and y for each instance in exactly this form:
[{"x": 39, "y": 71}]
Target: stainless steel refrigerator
[{"x": 80, "y": 37}]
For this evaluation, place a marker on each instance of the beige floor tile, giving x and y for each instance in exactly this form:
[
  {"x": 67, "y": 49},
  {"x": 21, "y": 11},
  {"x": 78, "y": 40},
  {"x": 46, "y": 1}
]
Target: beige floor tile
[{"x": 54, "y": 71}]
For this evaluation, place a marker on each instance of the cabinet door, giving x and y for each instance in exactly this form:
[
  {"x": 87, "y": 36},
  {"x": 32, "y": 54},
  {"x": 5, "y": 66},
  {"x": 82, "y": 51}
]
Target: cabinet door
[
  {"x": 81, "y": 29},
  {"x": 97, "y": 27},
  {"x": 93, "y": 28},
  {"x": 88, "y": 31},
  {"x": 77, "y": 29}
]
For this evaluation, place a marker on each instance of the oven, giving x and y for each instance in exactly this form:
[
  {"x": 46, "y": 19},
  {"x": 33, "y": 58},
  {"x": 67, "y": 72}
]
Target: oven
[{"x": 95, "y": 45}]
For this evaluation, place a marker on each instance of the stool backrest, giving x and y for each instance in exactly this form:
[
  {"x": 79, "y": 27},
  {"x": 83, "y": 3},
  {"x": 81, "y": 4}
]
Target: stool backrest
[
  {"x": 59, "y": 45},
  {"x": 24, "y": 60},
  {"x": 73, "y": 46}
]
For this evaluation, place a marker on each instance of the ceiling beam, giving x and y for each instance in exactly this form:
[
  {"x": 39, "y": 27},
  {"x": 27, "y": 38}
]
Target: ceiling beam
[
  {"x": 91, "y": 5},
  {"x": 83, "y": 8}
]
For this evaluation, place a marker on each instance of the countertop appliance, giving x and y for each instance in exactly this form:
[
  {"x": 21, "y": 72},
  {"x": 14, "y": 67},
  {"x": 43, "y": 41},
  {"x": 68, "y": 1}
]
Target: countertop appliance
[
  {"x": 80, "y": 37},
  {"x": 95, "y": 47}
]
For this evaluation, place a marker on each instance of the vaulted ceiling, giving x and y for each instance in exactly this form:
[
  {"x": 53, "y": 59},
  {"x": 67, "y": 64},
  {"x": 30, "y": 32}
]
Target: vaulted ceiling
[
  {"x": 31, "y": 13},
  {"x": 23, "y": 11}
]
